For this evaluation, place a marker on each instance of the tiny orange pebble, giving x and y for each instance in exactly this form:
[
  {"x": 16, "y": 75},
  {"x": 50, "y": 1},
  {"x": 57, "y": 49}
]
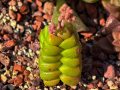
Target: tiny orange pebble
[
  {"x": 6, "y": 37},
  {"x": 87, "y": 35},
  {"x": 39, "y": 18},
  {"x": 9, "y": 43},
  {"x": 34, "y": 26},
  {"x": 38, "y": 23},
  {"x": 19, "y": 17},
  {"x": 102, "y": 22},
  {"x": 39, "y": 3},
  {"x": 40, "y": 9},
  {"x": 18, "y": 67},
  {"x": 18, "y": 80},
  {"x": 47, "y": 17}
]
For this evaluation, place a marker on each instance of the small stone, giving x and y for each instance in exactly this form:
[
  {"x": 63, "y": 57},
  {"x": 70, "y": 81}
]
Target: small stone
[
  {"x": 114, "y": 87},
  {"x": 110, "y": 83},
  {"x": 39, "y": 18},
  {"x": 12, "y": 3},
  {"x": 8, "y": 18},
  {"x": 18, "y": 80},
  {"x": 9, "y": 43},
  {"x": 18, "y": 67},
  {"x": 100, "y": 84},
  {"x": 46, "y": 89},
  {"x": 26, "y": 86},
  {"x": 47, "y": 17},
  {"x": 4, "y": 60},
  {"x": 3, "y": 78},
  {"x": 6, "y": 37},
  {"x": 48, "y": 8},
  {"x": 110, "y": 72},
  {"x": 90, "y": 86},
  {"x": 39, "y": 3},
  {"x": 19, "y": 52},
  {"x": 10, "y": 7},
  {"x": 118, "y": 63},
  {"x": 12, "y": 14},
  {"x": 28, "y": 68},
  {"x": 20, "y": 3},
  {"x": 93, "y": 77},
  {"x": 26, "y": 72},
  {"x": 29, "y": 38},
  {"x": 1, "y": 47},
  {"x": 73, "y": 87},
  {"x": 19, "y": 17},
  {"x": 14, "y": 9},
  {"x": 105, "y": 87},
  {"x": 4, "y": 20},
  {"x": 13, "y": 23},
  {"x": 1, "y": 15},
  {"x": 7, "y": 73},
  {"x": 8, "y": 29},
  {"x": 24, "y": 9}
]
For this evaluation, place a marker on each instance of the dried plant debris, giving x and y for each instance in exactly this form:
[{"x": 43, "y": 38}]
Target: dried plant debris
[{"x": 21, "y": 22}]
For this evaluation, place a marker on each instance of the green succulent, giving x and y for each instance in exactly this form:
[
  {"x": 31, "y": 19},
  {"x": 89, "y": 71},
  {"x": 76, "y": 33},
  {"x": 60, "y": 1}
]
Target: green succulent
[
  {"x": 60, "y": 57},
  {"x": 90, "y": 1},
  {"x": 60, "y": 53}
]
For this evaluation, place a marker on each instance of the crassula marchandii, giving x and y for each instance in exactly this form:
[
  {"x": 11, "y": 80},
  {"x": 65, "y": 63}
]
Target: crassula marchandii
[{"x": 60, "y": 53}]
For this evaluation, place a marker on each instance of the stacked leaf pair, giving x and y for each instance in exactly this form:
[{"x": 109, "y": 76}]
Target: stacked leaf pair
[{"x": 60, "y": 56}]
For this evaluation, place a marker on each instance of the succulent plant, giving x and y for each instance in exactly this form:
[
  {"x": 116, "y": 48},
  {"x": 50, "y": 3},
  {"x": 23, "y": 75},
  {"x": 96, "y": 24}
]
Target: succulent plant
[
  {"x": 90, "y": 1},
  {"x": 60, "y": 57},
  {"x": 60, "y": 53}
]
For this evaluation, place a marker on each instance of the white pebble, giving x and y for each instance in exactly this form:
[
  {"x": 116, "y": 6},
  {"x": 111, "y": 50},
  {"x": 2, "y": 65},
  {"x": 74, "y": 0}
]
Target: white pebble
[
  {"x": 13, "y": 23},
  {"x": 110, "y": 83},
  {"x": 8, "y": 18},
  {"x": 93, "y": 77},
  {"x": 20, "y": 3},
  {"x": 4, "y": 20},
  {"x": 14, "y": 8},
  {"x": 28, "y": 68},
  {"x": 19, "y": 53}
]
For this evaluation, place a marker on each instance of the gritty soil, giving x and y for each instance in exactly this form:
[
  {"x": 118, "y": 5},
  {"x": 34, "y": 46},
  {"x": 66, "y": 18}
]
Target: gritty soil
[{"x": 20, "y": 24}]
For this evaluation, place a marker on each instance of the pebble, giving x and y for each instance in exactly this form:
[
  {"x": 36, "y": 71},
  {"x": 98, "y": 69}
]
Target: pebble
[
  {"x": 14, "y": 8},
  {"x": 48, "y": 8},
  {"x": 93, "y": 77},
  {"x": 20, "y": 3},
  {"x": 110, "y": 83},
  {"x": 114, "y": 87},
  {"x": 90, "y": 86},
  {"x": 13, "y": 23},
  {"x": 4, "y": 20},
  {"x": 73, "y": 87},
  {"x": 3, "y": 78},
  {"x": 110, "y": 72},
  {"x": 28, "y": 68},
  {"x": 12, "y": 14},
  {"x": 118, "y": 63},
  {"x": 1, "y": 15}
]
